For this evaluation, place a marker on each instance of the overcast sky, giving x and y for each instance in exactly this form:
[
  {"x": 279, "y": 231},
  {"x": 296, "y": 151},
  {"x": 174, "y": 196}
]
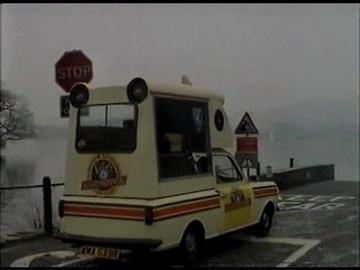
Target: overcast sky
[{"x": 259, "y": 56}]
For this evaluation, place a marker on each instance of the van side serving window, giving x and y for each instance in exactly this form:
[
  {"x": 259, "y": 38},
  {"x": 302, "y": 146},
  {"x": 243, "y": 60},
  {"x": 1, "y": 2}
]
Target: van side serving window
[
  {"x": 183, "y": 144},
  {"x": 107, "y": 128},
  {"x": 225, "y": 169}
]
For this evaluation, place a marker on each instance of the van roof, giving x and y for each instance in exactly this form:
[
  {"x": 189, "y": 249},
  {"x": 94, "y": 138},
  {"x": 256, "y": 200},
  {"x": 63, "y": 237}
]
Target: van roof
[
  {"x": 183, "y": 90},
  {"x": 171, "y": 89}
]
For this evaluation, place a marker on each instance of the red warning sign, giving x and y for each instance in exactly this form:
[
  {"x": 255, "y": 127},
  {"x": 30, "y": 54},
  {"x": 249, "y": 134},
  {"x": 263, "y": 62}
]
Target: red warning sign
[{"x": 247, "y": 144}]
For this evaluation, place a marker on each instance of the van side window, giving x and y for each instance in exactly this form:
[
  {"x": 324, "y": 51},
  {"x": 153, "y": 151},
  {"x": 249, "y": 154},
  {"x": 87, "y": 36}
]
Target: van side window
[
  {"x": 225, "y": 170},
  {"x": 182, "y": 137}
]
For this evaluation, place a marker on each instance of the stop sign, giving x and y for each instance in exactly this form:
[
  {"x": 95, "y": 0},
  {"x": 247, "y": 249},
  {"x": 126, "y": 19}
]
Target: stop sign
[{"x": 71, "y": 68}]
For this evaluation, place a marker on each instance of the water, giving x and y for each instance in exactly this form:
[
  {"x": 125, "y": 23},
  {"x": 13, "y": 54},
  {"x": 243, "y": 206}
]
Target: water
[{"x": 28, "y": 161}]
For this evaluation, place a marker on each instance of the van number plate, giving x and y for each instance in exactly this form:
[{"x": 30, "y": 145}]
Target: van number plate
[{"x": 102, "y": 252}]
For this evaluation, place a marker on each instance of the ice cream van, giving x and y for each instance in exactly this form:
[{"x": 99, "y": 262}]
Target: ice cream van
[{"x": 149, "y": 168}]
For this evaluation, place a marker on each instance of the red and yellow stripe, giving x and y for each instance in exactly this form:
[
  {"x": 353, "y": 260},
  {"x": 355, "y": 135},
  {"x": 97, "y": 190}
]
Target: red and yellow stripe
[
  {"x": 265, "y": 192},
  {"x": 186, "y": 209},
  {"x": 138, "y": 213},
  {"x": 91, "y": 211}
]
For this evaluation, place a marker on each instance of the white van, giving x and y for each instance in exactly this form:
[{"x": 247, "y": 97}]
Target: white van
[{"x": 147, "y": 169}]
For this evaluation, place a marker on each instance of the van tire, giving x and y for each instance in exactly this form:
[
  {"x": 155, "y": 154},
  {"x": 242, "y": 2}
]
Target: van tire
[
  {"x": 191, "y": 245},
  {"x": 264, "y": 226}
]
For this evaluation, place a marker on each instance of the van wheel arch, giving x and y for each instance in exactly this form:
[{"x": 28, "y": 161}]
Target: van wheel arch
[{"x": 192, "y": 240}]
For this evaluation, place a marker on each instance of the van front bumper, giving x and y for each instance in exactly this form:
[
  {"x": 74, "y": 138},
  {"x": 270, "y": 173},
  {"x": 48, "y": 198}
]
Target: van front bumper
[{"x": 128, "y": 243}]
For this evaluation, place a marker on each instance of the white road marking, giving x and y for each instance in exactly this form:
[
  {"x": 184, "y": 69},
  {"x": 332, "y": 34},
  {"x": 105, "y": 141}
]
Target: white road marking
[
  {"x": 299, "y": 253},
  {"x": 25, "y": 261},
  {"x": 328, "y": 206},
  {"x": 342, "y": 197},
  {"x": 306, "y": 244},
  {"x": 313, "y": 202},
  {"x": 299, "y": 197},
  {"x": 319, "y": 198},
  {"x": 302, "y": 206},
  {"x": 82, "y": 259}
]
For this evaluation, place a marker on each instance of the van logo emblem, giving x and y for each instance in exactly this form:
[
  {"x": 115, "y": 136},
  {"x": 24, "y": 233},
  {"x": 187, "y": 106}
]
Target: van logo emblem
[
  {"x": 104, "y": 176},
  {"x": 237, "y": 200}
]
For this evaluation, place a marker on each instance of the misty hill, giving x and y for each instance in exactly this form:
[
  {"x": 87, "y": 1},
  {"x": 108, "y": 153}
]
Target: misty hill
[{"x": 304, "y": 120}]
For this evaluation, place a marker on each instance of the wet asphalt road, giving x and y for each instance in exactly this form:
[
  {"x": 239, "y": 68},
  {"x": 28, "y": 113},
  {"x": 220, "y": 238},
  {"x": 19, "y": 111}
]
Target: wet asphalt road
[
  {"x": 332, "y": 218},
  {"x": 318, "y": 225}
]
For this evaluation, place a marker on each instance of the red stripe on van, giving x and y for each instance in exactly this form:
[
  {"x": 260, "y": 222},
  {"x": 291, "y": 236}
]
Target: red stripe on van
[
  {"x": 264, "y": 192},
  {"x": 139, "y": 214},
  {"x": 186, "y": 209},
  {"x": 259, "y": 193},
  {"x": 103, "y": 212},
  {"x": 265, "y": 195}
]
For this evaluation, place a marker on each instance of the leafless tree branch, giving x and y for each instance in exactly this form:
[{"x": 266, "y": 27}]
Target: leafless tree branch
[{"x": 16, "y": 120}]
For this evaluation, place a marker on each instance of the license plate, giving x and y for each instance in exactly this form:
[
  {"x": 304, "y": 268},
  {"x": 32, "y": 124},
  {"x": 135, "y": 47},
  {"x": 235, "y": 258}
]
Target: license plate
[{"x": 102, "y": 252}]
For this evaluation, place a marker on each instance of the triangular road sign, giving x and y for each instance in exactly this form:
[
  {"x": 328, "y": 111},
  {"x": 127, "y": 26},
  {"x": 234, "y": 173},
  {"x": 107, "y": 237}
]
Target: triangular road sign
[{"x": 246, "y": 126}]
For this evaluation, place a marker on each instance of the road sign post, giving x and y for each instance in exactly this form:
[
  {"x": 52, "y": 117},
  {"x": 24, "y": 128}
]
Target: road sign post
[
  {"x": 247, "y": 146},
  {"x": 65, "y": 107}
]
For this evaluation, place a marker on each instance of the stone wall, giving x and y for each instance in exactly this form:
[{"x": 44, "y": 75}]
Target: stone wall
[{"x": 299, "y": 176}]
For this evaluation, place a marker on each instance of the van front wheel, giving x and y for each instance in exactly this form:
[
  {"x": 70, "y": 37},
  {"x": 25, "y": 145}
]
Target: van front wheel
[{"x": 264, "y": 226}]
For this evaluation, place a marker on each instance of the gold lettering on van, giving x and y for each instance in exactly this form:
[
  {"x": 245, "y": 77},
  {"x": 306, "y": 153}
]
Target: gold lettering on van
[{"x": 104, "y": 176}]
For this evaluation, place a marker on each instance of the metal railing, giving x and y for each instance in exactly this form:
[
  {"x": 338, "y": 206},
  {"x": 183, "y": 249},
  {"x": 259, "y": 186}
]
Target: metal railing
[{"x": 47, "y": 200}]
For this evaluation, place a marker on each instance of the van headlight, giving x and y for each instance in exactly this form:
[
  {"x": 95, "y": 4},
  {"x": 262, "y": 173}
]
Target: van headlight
[
  {"x": 79, "y": 95},
  {"x": 137, "y": 90}
]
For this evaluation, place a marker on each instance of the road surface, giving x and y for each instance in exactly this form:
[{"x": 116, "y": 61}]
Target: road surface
[{"x": 318, "y": 225}]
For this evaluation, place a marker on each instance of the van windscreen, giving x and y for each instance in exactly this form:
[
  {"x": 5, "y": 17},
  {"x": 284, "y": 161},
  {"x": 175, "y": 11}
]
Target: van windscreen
[{"x": 107, "y": 128}]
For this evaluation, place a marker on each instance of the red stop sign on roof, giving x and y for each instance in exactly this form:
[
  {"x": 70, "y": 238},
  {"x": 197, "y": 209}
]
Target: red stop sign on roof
[{"x": 73, "y": 67}]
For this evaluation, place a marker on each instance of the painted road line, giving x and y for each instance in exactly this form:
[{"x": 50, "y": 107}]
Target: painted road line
[
  {"x": 77, "y": 262},
  {"x": 306, "y": 244},
  {"x": 299, "y": 253},
  {"x": 25, "y": 261},
  {"x": 313, "y": 202}
]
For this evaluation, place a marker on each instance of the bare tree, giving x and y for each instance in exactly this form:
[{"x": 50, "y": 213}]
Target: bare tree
[{"x": 16, "y": 120}]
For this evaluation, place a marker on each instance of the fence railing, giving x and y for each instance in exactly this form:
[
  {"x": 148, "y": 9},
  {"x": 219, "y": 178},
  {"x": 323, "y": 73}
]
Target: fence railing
[{"x": 47, "y": 200}]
